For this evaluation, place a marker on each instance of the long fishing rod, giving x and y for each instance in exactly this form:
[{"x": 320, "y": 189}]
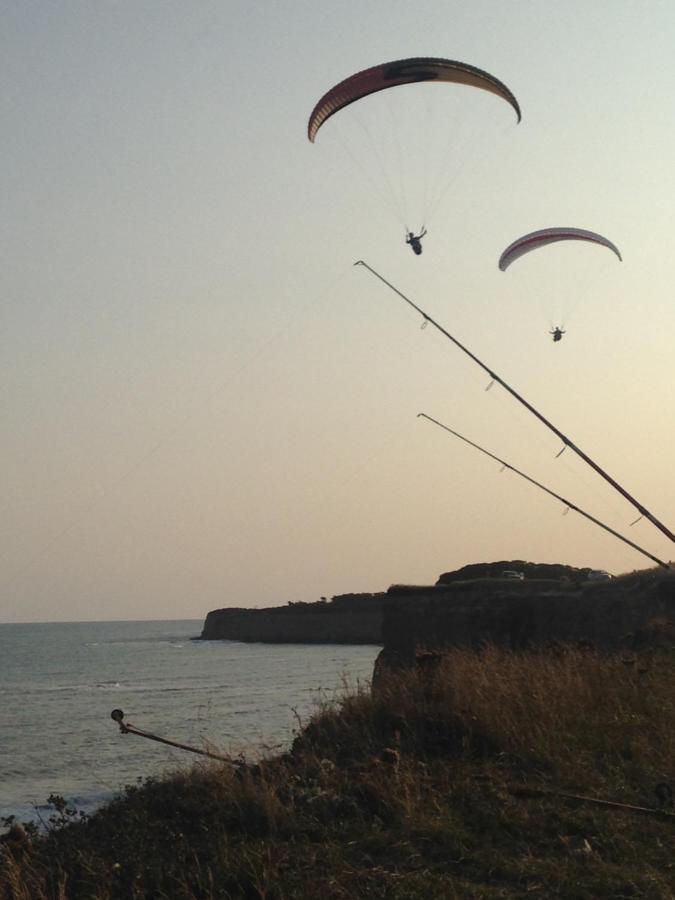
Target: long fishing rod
[
  {"x": 566, "y": 441},
  {"x": 117, "y": 715},
  {"x": 567, "y": 503},
  {"x": 530, "y": 792}
]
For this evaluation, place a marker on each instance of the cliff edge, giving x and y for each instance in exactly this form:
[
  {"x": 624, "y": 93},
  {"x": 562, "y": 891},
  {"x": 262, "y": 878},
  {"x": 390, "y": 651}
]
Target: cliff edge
[
  {"x": 346, "y": 619},
  {"x": 514, "y": 604}
]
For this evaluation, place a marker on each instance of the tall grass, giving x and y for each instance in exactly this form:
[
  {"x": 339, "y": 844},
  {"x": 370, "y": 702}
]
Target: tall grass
[
  {"x": 580, "y": 716},
  {"x": 407, "y": 791}
]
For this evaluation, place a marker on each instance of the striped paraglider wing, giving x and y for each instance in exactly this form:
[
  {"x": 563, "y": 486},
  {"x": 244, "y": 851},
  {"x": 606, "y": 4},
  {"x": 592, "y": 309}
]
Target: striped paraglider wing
[
  {"x": 403, "y": 71},
  {"x": 545, "y": 236}
]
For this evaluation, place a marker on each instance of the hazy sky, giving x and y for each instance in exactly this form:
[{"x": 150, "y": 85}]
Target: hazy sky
[{"x": 205, "y": 404}]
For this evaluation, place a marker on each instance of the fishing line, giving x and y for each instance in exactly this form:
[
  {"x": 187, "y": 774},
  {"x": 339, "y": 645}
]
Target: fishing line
[{"x": 640, "y": 508}]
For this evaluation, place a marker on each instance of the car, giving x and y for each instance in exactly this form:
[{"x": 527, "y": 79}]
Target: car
[
  {"x": 599, "y": 575},
  {"x": 515, "y": 576}
]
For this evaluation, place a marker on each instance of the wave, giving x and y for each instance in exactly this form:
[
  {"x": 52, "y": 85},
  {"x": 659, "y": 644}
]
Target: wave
[
  {"x": 39, "y": 813},
  {"x": 147, "y": 639},
  {"x": 41, "y": 689}
]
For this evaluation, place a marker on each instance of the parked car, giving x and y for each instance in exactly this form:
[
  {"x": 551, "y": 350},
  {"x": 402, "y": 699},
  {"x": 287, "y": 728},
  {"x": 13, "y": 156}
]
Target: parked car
[
  {"x": 516, "y": 576},
  {"x": 599, "y": 575}
]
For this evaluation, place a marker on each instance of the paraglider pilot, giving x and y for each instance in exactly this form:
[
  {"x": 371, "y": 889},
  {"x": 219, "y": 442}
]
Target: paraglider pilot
[
  {"x": 557, "y": 334},
  {"x": 415, "y": 241}
]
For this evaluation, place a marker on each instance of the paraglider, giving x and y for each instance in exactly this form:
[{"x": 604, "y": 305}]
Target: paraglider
[
  {"x": 406, "y": 147},
  {"x": 545, "y": 236},
  {"x": 542, "y": 238},
  {"x": 415, "y": 241}
]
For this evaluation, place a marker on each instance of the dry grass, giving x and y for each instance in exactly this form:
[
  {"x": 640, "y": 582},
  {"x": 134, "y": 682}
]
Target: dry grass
[{"x": 405, "y": 793}]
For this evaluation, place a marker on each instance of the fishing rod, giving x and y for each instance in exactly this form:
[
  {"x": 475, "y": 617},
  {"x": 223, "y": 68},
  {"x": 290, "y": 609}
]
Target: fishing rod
[
  {"x": 117, "y": 715},
  {"x": 567, "y": 503},
  {"x": 566, "y": 441},
  {"x": 531, "y": 792}
]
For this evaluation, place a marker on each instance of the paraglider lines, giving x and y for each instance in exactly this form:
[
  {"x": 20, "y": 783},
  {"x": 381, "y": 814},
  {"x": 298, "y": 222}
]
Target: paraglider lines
[
  {"x": 568, "y": 504},
  {"x": 568, "y": 443}
]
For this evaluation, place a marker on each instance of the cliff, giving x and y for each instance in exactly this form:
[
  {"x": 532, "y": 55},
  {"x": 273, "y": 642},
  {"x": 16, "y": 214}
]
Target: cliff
[
  {"x": 346, "y": 619},
  {"x": 460, "y": 612},
  {"x": 467, "y": 607}
]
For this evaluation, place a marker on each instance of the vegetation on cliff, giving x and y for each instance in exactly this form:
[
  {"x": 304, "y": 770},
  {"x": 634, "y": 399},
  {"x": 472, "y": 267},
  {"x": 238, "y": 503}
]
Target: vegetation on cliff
[
  {"x": 444, "y": 782},
  {"x": 550, "y": 571}
]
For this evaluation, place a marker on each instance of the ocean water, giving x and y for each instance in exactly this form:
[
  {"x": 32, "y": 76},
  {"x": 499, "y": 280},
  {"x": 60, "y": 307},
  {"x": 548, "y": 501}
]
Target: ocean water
[{"x": 60, "y": 682}]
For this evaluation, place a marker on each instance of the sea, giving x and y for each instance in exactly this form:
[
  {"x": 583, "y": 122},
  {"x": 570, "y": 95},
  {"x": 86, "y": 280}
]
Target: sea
[{"x": 59, "y": 683}]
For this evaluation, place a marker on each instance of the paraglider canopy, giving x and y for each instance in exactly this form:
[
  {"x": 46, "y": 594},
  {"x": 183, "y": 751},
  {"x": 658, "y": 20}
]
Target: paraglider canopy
[
  {"x": 403, "y": 71},
  {"x": 545, "y": 236}
]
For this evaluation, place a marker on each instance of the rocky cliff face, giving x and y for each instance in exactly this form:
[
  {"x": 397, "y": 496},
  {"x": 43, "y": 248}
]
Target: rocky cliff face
[
  {"x": 346, "y": 619},
  {"x": 519, "y": 614},
  {"x": 467, "y": 607}
]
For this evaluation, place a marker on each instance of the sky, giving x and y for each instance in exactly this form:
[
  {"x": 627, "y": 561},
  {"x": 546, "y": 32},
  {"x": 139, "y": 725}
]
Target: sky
[{"x": 205, "y": 404}]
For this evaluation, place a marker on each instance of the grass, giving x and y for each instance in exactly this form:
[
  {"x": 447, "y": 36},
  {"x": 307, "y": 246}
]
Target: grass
[{"x": 410, "y": 791}]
